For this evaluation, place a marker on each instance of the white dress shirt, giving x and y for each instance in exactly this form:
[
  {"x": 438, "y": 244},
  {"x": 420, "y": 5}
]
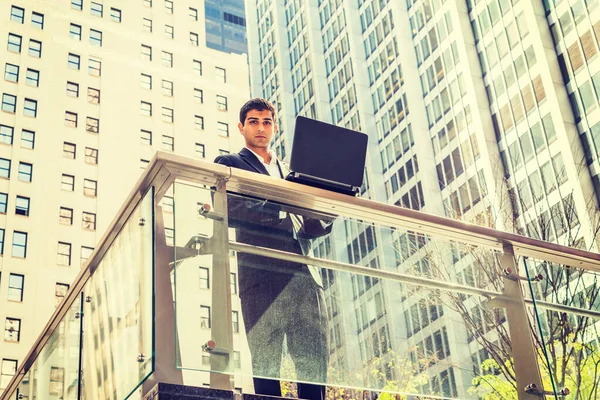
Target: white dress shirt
[{"x": 273, "y": 167}]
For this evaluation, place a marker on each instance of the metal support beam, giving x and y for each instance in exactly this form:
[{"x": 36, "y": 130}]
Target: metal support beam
[
  {"x": 221, "y": 328},
  {"x": 525, "y": 357}
]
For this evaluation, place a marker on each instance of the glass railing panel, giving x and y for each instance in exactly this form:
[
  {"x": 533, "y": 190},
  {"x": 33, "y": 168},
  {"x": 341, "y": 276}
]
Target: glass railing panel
[
  {"x": 567, "y": 311},
  {"x": 55, "y": 372},
  {"x": 422, "y": 319},
  {"x": 118, "y": 343}
]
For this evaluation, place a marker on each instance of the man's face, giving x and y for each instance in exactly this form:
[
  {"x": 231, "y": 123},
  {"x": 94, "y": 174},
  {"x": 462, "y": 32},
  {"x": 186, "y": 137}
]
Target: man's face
[{"x": 258, "y": 129}]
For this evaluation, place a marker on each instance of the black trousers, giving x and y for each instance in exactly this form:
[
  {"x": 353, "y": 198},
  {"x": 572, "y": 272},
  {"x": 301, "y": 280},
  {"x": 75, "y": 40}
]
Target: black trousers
[{"x": 289, "y": 305}]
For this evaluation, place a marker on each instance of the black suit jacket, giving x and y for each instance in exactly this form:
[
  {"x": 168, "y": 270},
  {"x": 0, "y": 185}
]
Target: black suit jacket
[{"x": 262, "y": 223}]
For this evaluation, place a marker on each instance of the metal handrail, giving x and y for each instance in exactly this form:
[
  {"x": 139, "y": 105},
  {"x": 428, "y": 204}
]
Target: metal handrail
[{"x": 165, "y": 168}]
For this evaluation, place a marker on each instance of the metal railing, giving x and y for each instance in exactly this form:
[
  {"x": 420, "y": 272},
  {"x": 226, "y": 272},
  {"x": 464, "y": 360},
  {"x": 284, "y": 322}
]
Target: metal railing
[{"x": 166, "y": 170}]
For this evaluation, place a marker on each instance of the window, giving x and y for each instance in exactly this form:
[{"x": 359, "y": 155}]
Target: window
[
  {"x": 65, "y": 216},
  {"x": 197, "y": 67},
  {"x": 14, "y": 43},
  {"x": 15, "y": 285},
  {"x": 77, "y": 4},
  {"x": 35, "y": 48},
  {"x": 235, "y": 320},
  {"x": 95, "y": 38},
  {"x": 92, "y": 125},
  {"x": 70, "y": 119},
  {"x": 167, "y": 59},
  {"x": 223, "y": 152},
  {"x": 2, "y": 241},
  {"x": 22, "y": 206},
  {"x": 204, "y": 317},
  {"x": 75, "y": 31},
  {"x": 60, "y": 292},
  {"x": 115, "y": 15},
  {"x": 94, "y": 67},
  {"x": 9, "y": 103},
  {"x": 11, "y": 73},
  {"x": 67, "y": 182},
  {"x": 148, "y": 3},
  {"x": 74, "y": 61},
  {"x": 233, "y": 282},
  {"x": 37, "y": 20},
  {"x": 27, "y": 139},
  {"x": 96, "y": 9},
  {"x": 204, "y": 278},
  {"x": 12, "y": 330},
  {"x": 146, "y": 109},
  {"x": 167, "y": 114},
  {"x": 4, "y": 168},
  {"x": 143, "y": 165},
  {"x": 199, "y": 96},
  {"x": 88, "y": 221},
  {"x": 7, "y": 370},
  {"x": 200, "y": 152},
  {"x": 3, "y": 203},
  {"x": 237, "y": 360},
  {"x": 69, "y": 150},
  {"x": 168, "y": 143},
  {"x": 147, "y": 24},
  {"x": 30, "y": 108},
  {"x": 17, "y": 14},
  {"x": 199, "y": 122},
  {"x": 223, "y": 129},
  {"x": 33, "y": 77},
  {"x": 193, "y": 14},
  {"x": 146, "y": 137},
  {"x": 93, "y": 96},
  {"x": 167, "y": 88},
  {"x": 63, "y": 254},
  {"x": 169, "y": 31},
  {"x": 6, "y": 134},
  {"x": 25, "y": 171},
  {"x": 90, "y": 187},
  {"x": 168, "y": 204},
  {"x": 193, "y": 39},
  {"x": 146, "y": 53},
  {"x": 221, "y": 74},
  {"x": 19, "y": 244},
  {"x": 86, "y": 252},
  {"x": 146, "y": 81},
  {"x": 57, "y": 381},
  {"x": 169, "y": 6},
  {"x": 221, "y": 103},
  {"x": 91, "y": 155},
  {"x": 72, "y": 89}
]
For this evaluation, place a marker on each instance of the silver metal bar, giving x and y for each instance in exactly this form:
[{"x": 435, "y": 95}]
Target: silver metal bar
[
  {"x": 562, "y": 308},
  {"x": 527, "y": 370},
  {"x": 356, "y": 269}
]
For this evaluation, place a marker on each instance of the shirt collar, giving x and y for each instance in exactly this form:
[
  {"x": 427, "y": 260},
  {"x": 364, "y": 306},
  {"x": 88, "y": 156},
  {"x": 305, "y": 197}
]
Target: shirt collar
[{"x": 261, "y": 159}]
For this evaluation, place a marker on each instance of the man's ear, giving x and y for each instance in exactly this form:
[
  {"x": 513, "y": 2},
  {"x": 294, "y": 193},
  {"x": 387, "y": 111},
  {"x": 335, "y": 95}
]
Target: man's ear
[{"x": 240, "y": 126}]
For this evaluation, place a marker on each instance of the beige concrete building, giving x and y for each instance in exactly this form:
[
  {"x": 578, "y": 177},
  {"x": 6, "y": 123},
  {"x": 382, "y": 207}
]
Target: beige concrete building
[{"x": 90, "y": 90}]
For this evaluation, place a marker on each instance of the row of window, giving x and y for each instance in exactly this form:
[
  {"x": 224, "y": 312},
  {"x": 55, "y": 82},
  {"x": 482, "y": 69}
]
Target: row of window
[
  {"x": 25, "y": 170},
  {"x": 17, "y": 14},
  {"x": 168, "y": 142},
  {"x": 91, "y": 124},
  {"x": 93, "y": 95},
  {"x": 95, "y": 35},
  {"x": 11, "y": 74},
  {"x": 94, "y": 65},
  {"x": 19, "y": 243},
  {"x": 15, "y": 43},
  {"x": 88, "y": 219},
  {"x": 21, "y": 204},
  {"x": 167, "y": 90},
  {"x": 70, "y": 152},
  {"x": 90, "y": 187},
  {"x": 97, "y": 10},
  {"x": 9, "y": 105}
]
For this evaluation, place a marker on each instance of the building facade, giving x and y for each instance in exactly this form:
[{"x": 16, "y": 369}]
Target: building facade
[
  {"x": 90, "y": 90},
  {"x": 484, "y": 111}
]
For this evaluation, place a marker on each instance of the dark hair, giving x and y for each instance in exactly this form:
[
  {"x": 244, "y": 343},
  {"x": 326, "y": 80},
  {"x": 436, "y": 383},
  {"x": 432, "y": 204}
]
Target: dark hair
[{"x": 257, "y": 104}]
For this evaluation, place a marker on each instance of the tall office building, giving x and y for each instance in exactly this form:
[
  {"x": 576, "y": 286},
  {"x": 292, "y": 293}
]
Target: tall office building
[
  {"x": 485, "y": 111},
  {"x": 90, "y": 90}
]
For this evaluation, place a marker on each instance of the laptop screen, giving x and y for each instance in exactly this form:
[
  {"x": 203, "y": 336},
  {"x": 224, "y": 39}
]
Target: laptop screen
[{"x": 328, "y": 152}]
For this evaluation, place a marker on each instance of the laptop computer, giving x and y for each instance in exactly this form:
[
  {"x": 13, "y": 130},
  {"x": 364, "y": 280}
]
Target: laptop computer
[{"x": 328, "y": 156}]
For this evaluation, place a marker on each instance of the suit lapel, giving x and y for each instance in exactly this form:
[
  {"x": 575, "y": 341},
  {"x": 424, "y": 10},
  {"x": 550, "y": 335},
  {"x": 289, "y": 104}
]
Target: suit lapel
[{"x": 254, "y": 162}]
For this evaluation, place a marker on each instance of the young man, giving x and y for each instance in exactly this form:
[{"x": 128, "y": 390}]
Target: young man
[{"x": 279, "y": 298}]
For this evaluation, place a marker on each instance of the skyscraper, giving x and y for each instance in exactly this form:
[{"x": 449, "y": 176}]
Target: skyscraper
[
  {"x": 485, "y": 111},
  {"x": 90, "y": 90}
]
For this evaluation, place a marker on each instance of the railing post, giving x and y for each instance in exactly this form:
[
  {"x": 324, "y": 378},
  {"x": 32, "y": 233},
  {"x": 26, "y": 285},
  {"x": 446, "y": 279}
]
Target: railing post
[
  {"x": 527, "y": 371},
  {"x": 221, "y": 329}
]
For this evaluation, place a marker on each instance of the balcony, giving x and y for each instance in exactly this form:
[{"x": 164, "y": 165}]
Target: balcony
[{"x": 413, "y": 305}]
